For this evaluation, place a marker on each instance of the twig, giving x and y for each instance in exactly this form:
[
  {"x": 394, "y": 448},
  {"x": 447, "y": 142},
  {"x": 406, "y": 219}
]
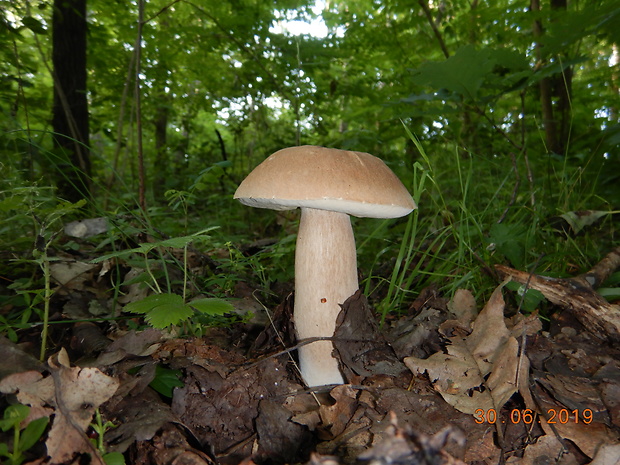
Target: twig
[
  {"x": 578, "y": 295},
  {"x": 429, "y": 16}
]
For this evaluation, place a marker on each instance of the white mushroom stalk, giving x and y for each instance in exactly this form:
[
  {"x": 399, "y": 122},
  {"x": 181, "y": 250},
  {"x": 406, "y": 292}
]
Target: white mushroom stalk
[{"x": 325, "y": 276}]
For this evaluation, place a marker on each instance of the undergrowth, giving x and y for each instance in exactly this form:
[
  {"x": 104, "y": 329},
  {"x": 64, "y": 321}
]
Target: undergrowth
[{"x": 474, "y": 211}]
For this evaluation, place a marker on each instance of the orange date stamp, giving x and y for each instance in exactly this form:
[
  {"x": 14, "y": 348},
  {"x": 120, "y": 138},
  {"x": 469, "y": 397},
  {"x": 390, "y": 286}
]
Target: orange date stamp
[{"x": 528, "y": 416}]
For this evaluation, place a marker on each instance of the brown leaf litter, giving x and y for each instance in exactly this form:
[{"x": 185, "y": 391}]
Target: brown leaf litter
[{"x": 474, "y": 388}]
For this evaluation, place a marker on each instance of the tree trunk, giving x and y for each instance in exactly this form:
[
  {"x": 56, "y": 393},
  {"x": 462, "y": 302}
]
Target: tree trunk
[
  {"x": 562, "y": 91},
  {"x": 555, "y": 116},
  {"x": 70, "y": 111}
]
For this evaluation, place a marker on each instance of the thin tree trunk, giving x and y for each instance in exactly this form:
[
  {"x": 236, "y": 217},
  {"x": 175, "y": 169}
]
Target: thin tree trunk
[
  {"x": 563, "y": 84},
  {"x": 555, "y": 118},
  {"x": 138, "y": 95},
  {"x": 70, "y": 110},
  {"x": 544, "y": 86}
]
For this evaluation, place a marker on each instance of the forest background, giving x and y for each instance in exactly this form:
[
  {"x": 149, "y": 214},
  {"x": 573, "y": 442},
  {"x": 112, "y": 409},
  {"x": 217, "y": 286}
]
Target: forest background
[{"x": 501, "y": 117}]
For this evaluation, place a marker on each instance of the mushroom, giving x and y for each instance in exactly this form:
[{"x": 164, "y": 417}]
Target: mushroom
[{"x": 328, "y": 185}]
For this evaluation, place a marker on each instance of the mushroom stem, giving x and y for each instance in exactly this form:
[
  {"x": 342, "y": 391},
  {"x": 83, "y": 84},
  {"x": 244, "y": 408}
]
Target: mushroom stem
[{"x": 325, "y": 276}]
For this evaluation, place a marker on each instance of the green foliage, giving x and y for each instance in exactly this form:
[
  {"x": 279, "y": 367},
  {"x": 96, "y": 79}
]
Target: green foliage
[
  {"x": 528, "y": 300},
  {"x": 222, "y": 88},
  {"x": 23, "y": 438},
  {"x": 21, "y": 206},
  {"x": 465, "y": 72},
  {"x": 166, "y": 380},
  {"x": 509, "y": 240},
  {"x": 164, "y": 310},
  {"x": 114, "y": 458},
  {"x": 100, "y": 428}
]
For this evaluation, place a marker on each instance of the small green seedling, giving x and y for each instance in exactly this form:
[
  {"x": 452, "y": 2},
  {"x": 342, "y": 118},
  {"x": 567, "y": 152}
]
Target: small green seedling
[
  {"x": 110, "y": 458},
  {"x": 23, "y": 439}
]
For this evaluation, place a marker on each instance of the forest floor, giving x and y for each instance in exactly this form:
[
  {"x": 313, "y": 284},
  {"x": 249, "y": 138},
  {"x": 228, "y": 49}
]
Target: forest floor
[{"x": 451, "y": 382}]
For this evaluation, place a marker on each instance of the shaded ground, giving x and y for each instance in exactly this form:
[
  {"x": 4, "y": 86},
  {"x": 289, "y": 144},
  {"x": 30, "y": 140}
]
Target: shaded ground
[{"x": 454, "y": 382}]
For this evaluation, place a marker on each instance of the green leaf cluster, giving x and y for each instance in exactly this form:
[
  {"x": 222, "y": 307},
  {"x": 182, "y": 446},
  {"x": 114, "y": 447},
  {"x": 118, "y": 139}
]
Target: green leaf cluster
[
  {"x": 23, "y": 438},
  {"x": 164, "y": 310}
]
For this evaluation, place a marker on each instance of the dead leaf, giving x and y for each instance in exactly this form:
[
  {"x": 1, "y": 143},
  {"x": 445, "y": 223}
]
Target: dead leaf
[
  {"x": 87, "y": 228},
  {"x": 138, "y": 412},
  {"x": 547, "y": 450},
  {"x": 72, "y": 395},
  {"x": 32, "y": 389},
  {"x": 13, "y": 359},
  {"x": 222, "y": 407},
  {"x": 607, "y": 455},
  {"x": 78, "y": 392},
  {"x": 490, "y": 350},
  {"x": 404, "y": 446},
  {"x": 71, "y": 274},
  {"x": 279, "y": 438},
  {"x": 361, "y": 346},
  {"x": 589, "y": 438},
  {"x": 133, "y": 343},
  {"x": 463, "y": 306},
  {"x": 337, "y": 416}
]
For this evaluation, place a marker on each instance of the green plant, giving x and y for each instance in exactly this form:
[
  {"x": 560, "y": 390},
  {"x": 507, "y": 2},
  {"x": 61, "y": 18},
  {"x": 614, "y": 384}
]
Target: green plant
[
  {"x": 164, "y": 309},
  {"x": 100, "y": 428},
  {"x": 167, "y": 309},
  {"x": 23, "y": 438},
  {"x": 44, "y": 220},
  {"x": 166, "y": 380}
]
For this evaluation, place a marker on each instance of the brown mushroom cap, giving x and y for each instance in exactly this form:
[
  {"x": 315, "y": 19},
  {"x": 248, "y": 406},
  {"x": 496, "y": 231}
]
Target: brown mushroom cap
[{"x": 355, "y": 183}]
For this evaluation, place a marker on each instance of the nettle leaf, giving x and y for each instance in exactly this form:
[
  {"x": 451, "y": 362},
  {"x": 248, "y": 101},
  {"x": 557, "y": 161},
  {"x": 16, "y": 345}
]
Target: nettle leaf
[
  {"x": 212, "y": 306},
  {"x": 469, "y": 69},
  {"x": 174, "y": 242},
  {"x": 579, "y": 220},
  {"x": 11, "y": 203},
  {"x": 114, "y": 458}
]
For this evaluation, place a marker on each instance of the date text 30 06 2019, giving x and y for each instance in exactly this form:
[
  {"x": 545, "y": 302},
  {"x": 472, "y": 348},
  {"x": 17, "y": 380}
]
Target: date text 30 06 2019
[{"x": 528, "y": 416}]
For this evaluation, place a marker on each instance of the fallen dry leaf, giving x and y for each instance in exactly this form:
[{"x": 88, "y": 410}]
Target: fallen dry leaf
[
  {"x": 78, "y": 392},
  {"x": 338, "y": 415},
  {"x": 459, "y": 376},
  {"x": 71, "y": 274},
  {"x": 402, "y": 445},
  {"x": 32, "y": 389},
  {"x": 463, "y": 306},
  {"x": 608, "y": 454},
  {"x": 589, "y": 438},
  {"x": 547, "y": 449},
  {"x": 72, "y": 394},
  {"x": 362, "y": 348}
]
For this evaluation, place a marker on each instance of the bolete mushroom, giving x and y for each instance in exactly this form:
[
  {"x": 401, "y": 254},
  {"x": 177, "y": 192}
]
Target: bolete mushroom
[{"x": 328, "y": 185}]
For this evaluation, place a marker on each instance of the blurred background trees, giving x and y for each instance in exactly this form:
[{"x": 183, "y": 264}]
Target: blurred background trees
[{"x": 514, "y": 102}]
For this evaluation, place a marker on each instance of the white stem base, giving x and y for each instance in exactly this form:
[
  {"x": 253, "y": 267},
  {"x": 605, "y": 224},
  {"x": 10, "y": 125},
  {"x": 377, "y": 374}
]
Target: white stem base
[{"x": 325, "y": 276}]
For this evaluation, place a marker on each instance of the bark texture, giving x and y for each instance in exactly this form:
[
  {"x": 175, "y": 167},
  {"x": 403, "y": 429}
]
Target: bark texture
[{"x": 70, "y": 112}]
